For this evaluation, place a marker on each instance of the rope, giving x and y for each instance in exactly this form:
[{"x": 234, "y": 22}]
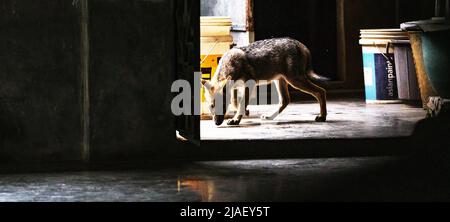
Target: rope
[{"x": 209, "y": 52}]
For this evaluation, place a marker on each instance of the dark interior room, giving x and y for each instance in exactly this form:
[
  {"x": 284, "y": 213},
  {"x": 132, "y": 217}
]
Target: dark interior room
[{"x": 88, "y": 90}]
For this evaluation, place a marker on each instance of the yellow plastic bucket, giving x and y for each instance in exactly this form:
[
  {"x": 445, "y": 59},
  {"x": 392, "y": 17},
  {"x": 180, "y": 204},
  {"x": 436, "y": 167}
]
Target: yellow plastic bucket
[{"x": 215, "y": 40}]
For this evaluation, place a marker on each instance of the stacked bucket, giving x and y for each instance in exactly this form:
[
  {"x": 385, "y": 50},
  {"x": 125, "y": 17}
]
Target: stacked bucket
[
  {"x": 389, "y": 70},
  {"x": 215, "y": 40}
]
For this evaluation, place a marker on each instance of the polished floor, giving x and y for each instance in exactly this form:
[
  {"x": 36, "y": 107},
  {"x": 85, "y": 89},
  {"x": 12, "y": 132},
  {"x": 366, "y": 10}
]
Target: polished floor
[
  {"x": 335, "y": 179},
  {"x": 200, "y": 181},
  {"x": 422, "y": 174},
  {"x": 346, "y": 119}
]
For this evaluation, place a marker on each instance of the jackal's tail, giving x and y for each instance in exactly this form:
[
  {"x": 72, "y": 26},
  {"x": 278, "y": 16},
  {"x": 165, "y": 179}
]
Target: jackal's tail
[
  {"x": 316, "y": 77},
  {"x": 310, "y": 74}
]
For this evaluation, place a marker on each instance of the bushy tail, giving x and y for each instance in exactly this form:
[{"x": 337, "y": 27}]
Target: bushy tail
[
  {"x": 317, "y": 78},
  {"x": 311, "y": 75},
  {"x": 310, "y": 71}
]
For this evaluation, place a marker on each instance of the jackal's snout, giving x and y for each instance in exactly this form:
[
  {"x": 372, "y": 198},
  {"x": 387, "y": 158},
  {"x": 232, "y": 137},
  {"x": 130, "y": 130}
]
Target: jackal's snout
[{"x": 218, "y": 119}]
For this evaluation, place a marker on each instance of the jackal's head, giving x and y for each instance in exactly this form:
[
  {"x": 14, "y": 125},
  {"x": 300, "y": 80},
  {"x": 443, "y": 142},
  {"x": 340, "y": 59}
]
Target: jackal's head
[
  {"x": 233, "y": 65},
  {"x": 216, "y": 97}
]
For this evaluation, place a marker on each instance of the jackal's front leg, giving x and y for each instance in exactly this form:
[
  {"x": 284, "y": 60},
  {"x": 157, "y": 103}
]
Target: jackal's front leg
[
  {"x": 235, "y": 102},
  {"x": 241, "y": 109}
]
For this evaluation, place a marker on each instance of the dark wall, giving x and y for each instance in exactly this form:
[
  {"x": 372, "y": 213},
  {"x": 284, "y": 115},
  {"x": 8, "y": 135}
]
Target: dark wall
[
  {"x": 312, "y": 22},
  {"x": 39, "y": 80},
  {"x": 131, "y": 71},
  {"x": 370, "y": 14},
  {"x": 132, "y": 62}
]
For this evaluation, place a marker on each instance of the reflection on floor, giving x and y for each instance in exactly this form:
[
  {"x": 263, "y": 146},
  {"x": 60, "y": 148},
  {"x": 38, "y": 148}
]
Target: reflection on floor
[
  {"x": 336, "y": 179},
  {"x": 200, "y": 181},
  {"x": 346, "y": 119},
  {"x": 420, "y": 175}
]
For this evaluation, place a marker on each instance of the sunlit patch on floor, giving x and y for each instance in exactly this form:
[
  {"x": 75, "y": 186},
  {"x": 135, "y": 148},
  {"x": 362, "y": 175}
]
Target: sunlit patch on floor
[{"x": 346, "y": 119}]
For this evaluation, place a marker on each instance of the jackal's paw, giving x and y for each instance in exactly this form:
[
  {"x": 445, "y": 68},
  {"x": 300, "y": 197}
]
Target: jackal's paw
[
  {"x": 233, "y": 122},
  {"x": 264, "y": 117},
  {"x": 321, "y": 119}
]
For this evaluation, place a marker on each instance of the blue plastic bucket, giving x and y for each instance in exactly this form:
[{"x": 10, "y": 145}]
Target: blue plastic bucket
[{"x": 380, "y": 77}]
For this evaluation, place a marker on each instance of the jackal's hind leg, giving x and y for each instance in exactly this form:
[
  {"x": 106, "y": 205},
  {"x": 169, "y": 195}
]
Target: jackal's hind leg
[{"x": 319, "y": 93}]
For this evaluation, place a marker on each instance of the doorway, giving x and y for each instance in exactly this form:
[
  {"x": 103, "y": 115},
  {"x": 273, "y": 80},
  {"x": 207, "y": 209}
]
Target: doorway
[{"x": 319, "y": 24}]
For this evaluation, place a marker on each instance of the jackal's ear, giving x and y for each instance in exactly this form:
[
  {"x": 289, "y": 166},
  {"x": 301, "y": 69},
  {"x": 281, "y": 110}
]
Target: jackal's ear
[
  {"x": 207, "y": 84},
  {"x": 224, "y": 81}
]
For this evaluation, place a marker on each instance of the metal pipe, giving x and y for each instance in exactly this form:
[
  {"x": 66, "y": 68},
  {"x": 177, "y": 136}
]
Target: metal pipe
[
  {"x": 437, "y": 8},
  {"x": 84, "y": 7}
]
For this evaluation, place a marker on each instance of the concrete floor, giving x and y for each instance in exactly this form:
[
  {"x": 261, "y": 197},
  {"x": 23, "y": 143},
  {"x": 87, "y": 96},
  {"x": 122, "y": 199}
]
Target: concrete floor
[
  {"x": 200, "y": 181},
  {"x": 335, "y": 179},
  {"x": 346, "y": 119},
  {"x": 421, "y": 175}
]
